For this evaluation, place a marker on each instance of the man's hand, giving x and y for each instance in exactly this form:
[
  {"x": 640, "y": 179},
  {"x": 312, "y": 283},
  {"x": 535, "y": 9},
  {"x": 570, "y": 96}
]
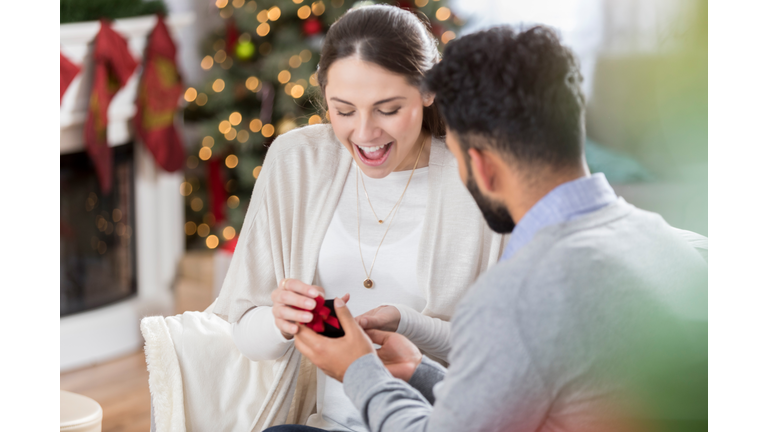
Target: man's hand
[
  {"x": 385, "y": 318},
  {"x": 333, "y": 356},
  {"x": 399, "y": 355}
]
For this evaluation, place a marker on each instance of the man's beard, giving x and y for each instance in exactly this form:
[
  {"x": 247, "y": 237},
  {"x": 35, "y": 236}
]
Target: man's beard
[{"x": 495, "y": 213}]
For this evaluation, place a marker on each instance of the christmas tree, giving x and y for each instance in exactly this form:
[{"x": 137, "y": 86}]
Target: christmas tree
[{"x": 261, "y": 83}]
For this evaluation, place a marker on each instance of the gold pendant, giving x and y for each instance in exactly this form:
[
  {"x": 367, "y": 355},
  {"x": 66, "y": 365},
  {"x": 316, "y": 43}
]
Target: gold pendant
[
  {"x": 368, "y": 283},
  {"x": 381, "y": 221}
]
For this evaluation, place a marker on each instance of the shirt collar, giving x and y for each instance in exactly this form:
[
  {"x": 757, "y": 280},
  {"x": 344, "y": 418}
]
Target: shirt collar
[{"x": 566, "y": 202}]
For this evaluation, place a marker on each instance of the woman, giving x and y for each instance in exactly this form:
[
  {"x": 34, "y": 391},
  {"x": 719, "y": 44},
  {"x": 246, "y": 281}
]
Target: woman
[{"x": 370, "y": 207}]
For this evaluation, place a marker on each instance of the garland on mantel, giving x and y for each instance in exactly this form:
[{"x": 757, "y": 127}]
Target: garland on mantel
[{"x": 93, "y": 10}]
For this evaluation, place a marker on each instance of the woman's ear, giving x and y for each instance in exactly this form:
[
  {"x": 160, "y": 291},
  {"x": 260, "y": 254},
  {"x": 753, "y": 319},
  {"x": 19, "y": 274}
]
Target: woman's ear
[{"x": 428, "y": 99}]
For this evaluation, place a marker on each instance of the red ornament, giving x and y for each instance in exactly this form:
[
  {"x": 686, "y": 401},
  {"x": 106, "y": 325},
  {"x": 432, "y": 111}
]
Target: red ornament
[
  {"x": 312, "y": 26},
  {"x": 232, "y": 35},
  {"x": 217, "y": 193},
  {"x": 230, "y": 245},
  {"x": 437, "y": 29},
  {"x": 405, "y": 4}
]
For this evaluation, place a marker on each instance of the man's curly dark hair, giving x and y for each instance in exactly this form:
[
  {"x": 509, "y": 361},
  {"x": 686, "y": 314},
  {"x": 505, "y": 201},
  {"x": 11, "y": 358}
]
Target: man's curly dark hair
[{"x": 518, "y": 92}]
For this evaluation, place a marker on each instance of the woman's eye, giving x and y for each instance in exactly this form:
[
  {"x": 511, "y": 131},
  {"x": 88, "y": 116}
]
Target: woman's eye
[
  {"x": 345, "y": 114},
  {"x": 390, "y": 112}
]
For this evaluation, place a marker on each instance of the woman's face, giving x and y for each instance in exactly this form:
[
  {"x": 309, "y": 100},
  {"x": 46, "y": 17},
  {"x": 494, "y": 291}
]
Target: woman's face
[{"x": 376, "y": 114}]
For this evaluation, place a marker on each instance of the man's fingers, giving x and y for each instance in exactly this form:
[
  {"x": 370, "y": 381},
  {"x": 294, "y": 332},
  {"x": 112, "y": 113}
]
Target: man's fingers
[
  {"x": 378, "y": 336},
  {"x": 344, "y": 315},
  {"x": 307, "y": 337}
]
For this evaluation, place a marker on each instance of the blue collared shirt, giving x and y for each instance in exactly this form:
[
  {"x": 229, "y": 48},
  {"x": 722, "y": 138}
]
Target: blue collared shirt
[{"x": 563, "y": 203}]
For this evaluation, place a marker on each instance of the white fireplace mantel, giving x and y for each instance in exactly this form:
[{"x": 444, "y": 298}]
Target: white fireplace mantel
[{"x": 108, "y": 332}]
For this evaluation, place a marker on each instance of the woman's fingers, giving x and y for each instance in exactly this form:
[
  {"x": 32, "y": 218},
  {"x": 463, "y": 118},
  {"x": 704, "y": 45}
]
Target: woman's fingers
[
  {"x": 288, "y": 313},
  {"x": 293, "y": 299},
  {"x": 300, "y": 287},
  {"x": 286, "y": 328}
]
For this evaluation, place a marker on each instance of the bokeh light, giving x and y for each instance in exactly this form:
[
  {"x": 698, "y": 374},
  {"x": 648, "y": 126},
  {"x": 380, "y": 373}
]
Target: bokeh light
[
  {"x": 297, "y": 91},
  {"x": 225, "y": 126},
  {"x": 273, "y": 13},
  {"x": 196, "y": 204},
  {"x": 243, "y": 136},
  {"x": 190, "y": 228},
  {"x": 252, "y": 83},
  {"x": 235, "y": 118},
  {"x": 315, "y": 119},
  {"x": 255, "y": 125},
  {"x": 205, "y": 153},
  {"x": 304, "y": 12},
  {"x": 318, "y": 8},
  {"x": 256, "y": 172},
  {"x": 231, "y": 161},
  {"x": 263, "y": 29},
  {"x": 268, "y": 130},
  {"x": 218, "y": 85},
  {"x": 185, "y": 188},
  {"x": 207, "y": 62},
  {"x": 443, "y": 13},
  {"x": 284, "y": 76},
  {"x": 233, "y": 201},
  {"x": 229, "y": 233},
  {"x": 212, "y": 242},
  {"x": 208, "y": 141},
  {"x": 294, "y": 61},
  {"x": 203, "y": 230},
  {"x": 190, "y": 95},
  {"x": 448, "y": 36}
]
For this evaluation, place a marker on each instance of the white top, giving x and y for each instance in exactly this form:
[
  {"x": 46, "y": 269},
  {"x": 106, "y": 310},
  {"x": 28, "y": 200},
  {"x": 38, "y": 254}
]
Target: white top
[{"x": 340, "y": 271}]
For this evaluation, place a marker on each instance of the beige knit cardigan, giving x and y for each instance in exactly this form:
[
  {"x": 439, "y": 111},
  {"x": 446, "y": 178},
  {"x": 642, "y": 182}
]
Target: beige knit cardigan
[{"x": 290, "y": 210}]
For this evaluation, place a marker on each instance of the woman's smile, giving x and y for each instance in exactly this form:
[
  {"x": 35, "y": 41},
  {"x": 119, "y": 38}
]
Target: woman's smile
[{"x": 373, "y": 155}]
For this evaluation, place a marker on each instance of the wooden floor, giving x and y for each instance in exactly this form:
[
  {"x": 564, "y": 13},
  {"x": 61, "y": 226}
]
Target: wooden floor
[{"x": 121, "y": 387}]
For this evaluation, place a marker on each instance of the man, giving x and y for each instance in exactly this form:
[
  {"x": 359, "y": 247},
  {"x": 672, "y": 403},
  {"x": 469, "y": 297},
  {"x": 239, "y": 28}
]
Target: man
[{"x": 595, "y": 317}]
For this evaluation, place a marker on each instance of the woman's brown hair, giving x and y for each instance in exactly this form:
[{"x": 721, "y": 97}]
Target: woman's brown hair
[{"x": 390, "y": 37}]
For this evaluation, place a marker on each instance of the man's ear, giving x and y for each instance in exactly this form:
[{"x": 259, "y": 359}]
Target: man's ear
[
  {"x": 485, "y": 167},
  {"x": 428, "y": 99}
]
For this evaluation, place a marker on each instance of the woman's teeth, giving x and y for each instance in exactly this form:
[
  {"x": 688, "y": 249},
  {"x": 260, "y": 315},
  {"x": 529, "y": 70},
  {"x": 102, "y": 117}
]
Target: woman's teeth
[{"x": 372, "y": 149}]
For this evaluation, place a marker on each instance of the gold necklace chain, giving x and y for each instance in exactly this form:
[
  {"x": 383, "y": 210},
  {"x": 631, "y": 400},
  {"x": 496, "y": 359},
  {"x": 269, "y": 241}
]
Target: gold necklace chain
[{"x": 368, "y": 283}]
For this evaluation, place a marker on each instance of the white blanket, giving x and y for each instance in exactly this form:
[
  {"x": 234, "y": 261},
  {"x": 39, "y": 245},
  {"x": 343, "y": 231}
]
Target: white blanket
[{"x": 213, "y": 387}]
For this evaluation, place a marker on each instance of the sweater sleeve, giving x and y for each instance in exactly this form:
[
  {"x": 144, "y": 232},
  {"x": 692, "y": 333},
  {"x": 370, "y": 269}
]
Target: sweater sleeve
[
  {"x": 431, "y": 335},
  {"x": 257, "y": 337}
]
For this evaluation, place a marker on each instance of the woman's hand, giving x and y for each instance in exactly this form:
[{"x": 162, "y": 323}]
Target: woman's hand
[
  {"x": 385, "y": 318},
  {"x": 293, "y": 293}
]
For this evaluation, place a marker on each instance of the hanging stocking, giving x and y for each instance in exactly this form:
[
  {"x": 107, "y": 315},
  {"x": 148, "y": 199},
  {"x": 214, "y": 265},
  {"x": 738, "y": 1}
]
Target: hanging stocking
[
  {"x": 158, "y": 100},
  {"x": 113, "y": 65}
]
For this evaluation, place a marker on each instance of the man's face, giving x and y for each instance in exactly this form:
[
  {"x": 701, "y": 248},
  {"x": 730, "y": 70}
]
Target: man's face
[{"x": 494, "y": 212}]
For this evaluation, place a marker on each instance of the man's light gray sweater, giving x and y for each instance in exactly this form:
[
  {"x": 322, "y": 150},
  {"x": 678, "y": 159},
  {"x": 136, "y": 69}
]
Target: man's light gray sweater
[{"x": 599, "y": 323}]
